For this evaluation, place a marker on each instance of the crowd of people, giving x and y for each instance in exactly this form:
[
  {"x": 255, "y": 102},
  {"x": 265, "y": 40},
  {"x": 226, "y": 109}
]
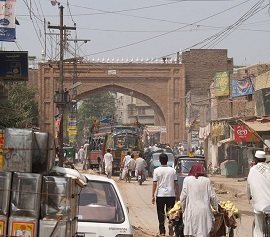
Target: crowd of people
[{"x": 197, "y": 197}]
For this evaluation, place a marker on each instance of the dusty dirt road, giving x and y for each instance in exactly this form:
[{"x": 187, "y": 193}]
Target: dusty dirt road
[{"x": 143, "y": 214}]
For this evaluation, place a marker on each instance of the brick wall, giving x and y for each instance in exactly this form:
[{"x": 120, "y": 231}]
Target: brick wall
[{"x": 201, "y": 66}]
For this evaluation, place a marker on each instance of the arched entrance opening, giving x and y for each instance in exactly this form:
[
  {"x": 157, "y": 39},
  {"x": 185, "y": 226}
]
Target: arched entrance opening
[
  {"x": 162, "y": 86},
  {"x": 127, "y": 111}
]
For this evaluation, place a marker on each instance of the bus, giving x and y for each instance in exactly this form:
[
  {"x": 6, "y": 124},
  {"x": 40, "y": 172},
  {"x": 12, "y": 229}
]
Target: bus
[{"x": 120, "y": 139}]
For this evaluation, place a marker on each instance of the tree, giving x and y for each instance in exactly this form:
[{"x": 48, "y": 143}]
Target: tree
[
  {"x": 95, "y": 108},
  {"x": 21, "y": 108}
]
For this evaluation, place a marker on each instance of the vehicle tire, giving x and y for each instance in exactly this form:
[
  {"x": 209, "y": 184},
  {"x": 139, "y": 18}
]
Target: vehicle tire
[
  {"x": 267, "y": 225},
  {"x": 120, "y": 175},
  {"x": 231, "y": 232},
  {"x": 150, "y": 174},
  {"x": 127, "y": 177},
  {"x": 178, "y": 230},
  {"x": 140, "y": 181},
  {"x": 252, "y": 229}
]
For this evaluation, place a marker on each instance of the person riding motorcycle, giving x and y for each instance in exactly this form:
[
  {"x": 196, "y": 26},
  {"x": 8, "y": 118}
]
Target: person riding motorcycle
[
  {"x": 258, "y": 190},
  {"x": 140, "y": 166}
]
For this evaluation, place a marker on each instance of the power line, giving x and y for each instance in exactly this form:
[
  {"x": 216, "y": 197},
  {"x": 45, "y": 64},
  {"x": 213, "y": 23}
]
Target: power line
[
  {"x": 166, "y": 33},
  {"x": 30, "y": 11},
  {"x": 217, "y": 34},
  {"x": 70, "y": 12},
  {"x": 123, "y": 10},
  {"x": 228, "y": 30},
  {"x": 198, "y": 28}
]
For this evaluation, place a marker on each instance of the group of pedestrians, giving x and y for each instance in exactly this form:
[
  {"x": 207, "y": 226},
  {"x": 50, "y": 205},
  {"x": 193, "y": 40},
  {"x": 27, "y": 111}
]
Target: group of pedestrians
[
  {"x": 129, "y": 163},
  {"x": 133, "y": 166},
  {"x": 198, "y": 197}
]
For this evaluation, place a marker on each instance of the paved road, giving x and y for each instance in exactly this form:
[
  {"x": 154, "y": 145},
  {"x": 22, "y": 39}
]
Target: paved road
[{"x": 143, "y": 213}]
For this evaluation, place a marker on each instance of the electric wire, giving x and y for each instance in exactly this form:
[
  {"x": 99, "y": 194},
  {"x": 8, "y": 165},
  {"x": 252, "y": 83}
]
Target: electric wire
[
  {"x": 123, "y": 10},
  {"x": 70, "y": 12},
  {"x": 36, "y": 31},
  {"x": 30, "y": 10},
  {"x": 210, "y": 37},
  {"x": 166, "y": 33},
  {"x": 198, "y": 28},
  {"x": 228, "y": 30},
  {"x": 18, "y": 45},
  {"x": 231, "y": 31}
]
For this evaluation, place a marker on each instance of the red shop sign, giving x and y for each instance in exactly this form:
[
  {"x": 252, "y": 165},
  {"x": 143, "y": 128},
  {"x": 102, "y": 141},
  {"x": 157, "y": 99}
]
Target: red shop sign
[{"x": 242, "y": 133}]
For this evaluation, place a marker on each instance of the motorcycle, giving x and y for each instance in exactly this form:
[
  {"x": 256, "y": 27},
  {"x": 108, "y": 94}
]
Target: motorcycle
[{"x": 141, "y": 177}]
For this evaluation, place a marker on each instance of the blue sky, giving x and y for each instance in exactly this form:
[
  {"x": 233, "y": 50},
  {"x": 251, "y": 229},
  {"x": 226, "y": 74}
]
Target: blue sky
[{"x": 147, "y": 28}]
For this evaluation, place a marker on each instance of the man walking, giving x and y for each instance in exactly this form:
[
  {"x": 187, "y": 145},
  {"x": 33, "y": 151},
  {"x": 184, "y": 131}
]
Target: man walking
[
  {"x": 81, "y": 154},
  {"x": 258, "y": 190},
  {"x": 165, "y": 191},
  {"x": 108, "y": 159},
  {"x": 126, "y": 160}
]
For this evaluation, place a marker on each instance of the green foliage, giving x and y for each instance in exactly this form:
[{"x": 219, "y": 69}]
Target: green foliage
[
  {"x": 97, "y": 107},
  {"x": 21, "y": 108}
]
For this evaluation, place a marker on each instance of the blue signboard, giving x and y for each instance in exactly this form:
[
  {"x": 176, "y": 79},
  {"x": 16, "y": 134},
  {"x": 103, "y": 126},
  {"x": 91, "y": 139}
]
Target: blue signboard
[
  {"x": 242, "y": 87},
  {"x": 14, "y": 65},
  {"x": 7, "y": 20}
]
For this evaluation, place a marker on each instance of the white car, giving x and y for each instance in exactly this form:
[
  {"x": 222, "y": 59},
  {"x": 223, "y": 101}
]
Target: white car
[{"x": 102, "y": 211}]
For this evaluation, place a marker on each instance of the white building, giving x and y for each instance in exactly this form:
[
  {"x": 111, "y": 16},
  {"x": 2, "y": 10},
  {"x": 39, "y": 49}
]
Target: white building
[{"x": 129, "y": 109}]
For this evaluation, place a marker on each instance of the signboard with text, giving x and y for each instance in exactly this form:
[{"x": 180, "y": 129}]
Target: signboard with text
[
  {"x": 7, "y": 20},
  {"x": 243, "y": 134},
  {"x": 195, "y": 138},
  {"x": 14, "y": 65},
  {"x": 222, "y": 84}
]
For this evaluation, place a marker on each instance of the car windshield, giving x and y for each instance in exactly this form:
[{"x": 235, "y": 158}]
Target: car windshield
[
  {"x": 99, "y": 202},
  {"x": 185, "y": 165},
  {"x": 170, "y": 157}
]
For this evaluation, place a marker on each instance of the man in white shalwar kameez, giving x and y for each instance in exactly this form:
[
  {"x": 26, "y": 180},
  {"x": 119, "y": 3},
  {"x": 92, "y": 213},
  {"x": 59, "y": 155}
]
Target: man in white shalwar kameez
[
  {"x": 258, "y": 190},
  {"x": 197, "y": 196},
  {"x": 108, "y": 159}
]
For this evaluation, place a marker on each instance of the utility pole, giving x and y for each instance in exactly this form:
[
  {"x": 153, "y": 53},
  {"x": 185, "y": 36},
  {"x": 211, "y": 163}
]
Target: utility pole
[
  {"x": 61, "y": 97},
  {"x": 73, "y": 111}
]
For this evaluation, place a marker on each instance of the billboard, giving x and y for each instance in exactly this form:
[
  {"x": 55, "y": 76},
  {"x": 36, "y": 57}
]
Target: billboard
[
  {"x": 243, "y": 134},
  {"x": 14, "y": 65},
  {"x": 242, "y": 87},
  {"x": 7, "y": 20},
  {"x": 222, "y": 84}
]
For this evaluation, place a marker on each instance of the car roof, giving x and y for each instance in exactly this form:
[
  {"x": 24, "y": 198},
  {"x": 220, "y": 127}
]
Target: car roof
[
  {"x": 158, "y": 153},
  {"x": 98, "y": 178},
  {"x": 187, "y": 156},
  {"x": 192, "y": 158}
]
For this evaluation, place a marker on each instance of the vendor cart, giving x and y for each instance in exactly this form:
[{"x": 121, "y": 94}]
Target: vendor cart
[
  {"x": 176, "y": 223},
  {"x": 225, "y": 223}
]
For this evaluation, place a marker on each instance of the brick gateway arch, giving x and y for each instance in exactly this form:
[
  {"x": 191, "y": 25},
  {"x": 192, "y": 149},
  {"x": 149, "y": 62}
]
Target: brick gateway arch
[{"x": 161, "y": 85}]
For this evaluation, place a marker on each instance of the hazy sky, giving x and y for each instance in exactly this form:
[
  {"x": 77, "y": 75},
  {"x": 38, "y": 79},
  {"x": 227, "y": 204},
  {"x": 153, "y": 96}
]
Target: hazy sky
[{"x": 149, "y": 28}]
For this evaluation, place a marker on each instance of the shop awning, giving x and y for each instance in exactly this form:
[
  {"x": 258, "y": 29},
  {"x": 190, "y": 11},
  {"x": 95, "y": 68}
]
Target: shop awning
[
  {"x": 221, "y": 142},
  {"x": 258, "y": 126}
]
